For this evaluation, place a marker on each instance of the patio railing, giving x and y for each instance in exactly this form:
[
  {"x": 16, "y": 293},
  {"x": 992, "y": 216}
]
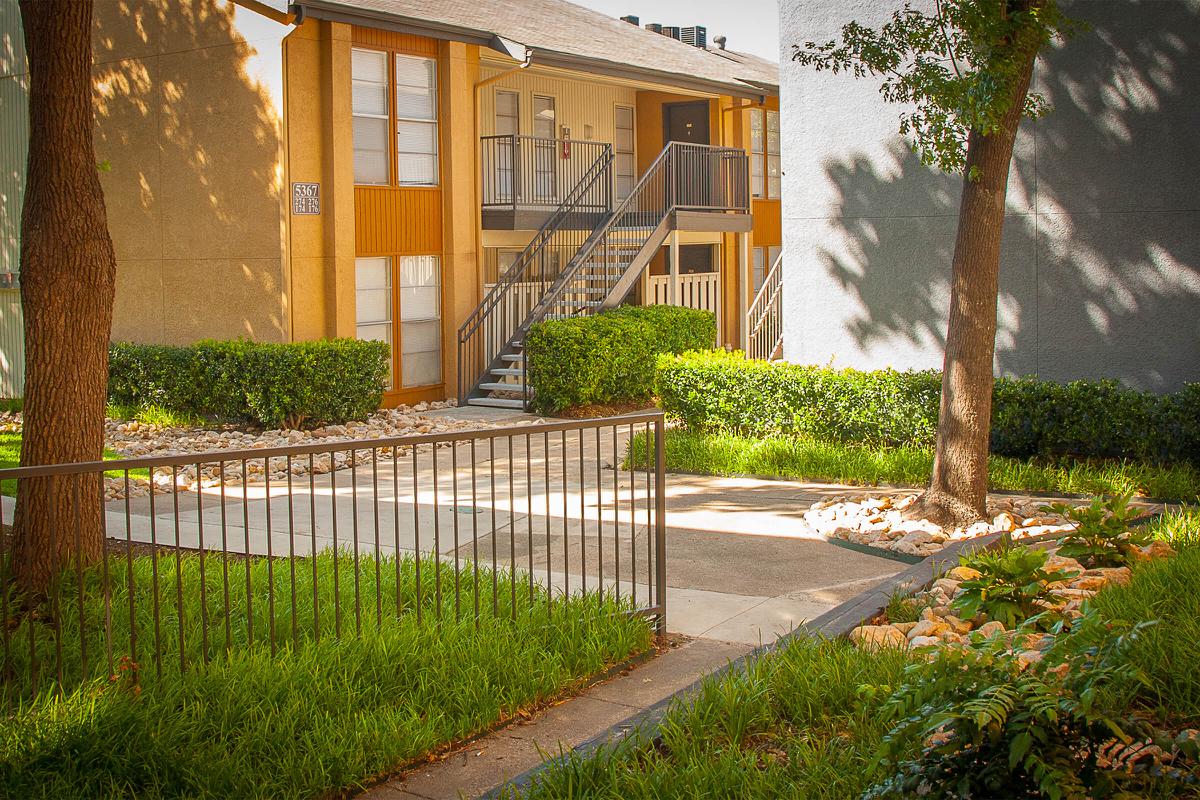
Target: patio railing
[{"x": 207, "y": 553}]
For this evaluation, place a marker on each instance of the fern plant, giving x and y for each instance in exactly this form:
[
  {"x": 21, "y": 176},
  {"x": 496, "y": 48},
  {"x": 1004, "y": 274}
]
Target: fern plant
[
  {"x": 1012, "y": 585},
  {"x": 1102, "y": 534},
  {"x": 978, "y": 723}
]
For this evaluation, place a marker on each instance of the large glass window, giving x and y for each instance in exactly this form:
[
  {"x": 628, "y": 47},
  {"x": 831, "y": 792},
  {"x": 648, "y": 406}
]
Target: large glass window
[
  {"x": 623, "y": 152},
  {"x": 420, "y": 321},
  {"x": 369, "y": 106},
  {"x": 764, "y": 154},
  {"x": 416, "y": 121},
  {"x": 373, "y": 296}
]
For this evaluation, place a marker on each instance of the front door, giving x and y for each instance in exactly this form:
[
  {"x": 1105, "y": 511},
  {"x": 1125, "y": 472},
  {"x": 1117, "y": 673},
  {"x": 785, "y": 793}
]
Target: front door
[
  {"x": 692, "y": 177},
  {"x": 685, "y": 122}
]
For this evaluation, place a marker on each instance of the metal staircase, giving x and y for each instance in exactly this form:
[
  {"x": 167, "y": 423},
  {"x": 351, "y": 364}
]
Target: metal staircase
[
  {"x": 764, "y": 318},
  {"x": 602, "y": 264}
]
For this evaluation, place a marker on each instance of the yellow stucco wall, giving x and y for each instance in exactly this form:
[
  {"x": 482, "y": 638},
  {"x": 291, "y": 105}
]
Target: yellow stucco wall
[{"x": 189, "y": 126}]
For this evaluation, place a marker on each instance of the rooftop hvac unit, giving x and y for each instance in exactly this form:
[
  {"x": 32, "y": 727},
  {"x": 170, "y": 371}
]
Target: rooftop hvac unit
[
  {"x": 671, "y": 30},
  {"x": 696, "y": 36}
]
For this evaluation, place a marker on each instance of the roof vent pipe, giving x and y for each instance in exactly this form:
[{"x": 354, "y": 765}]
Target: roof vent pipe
[{"x": 719, "y": 41}]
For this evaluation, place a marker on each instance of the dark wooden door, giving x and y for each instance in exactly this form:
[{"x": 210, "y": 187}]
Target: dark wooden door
[{"x": 685, "y": 122}]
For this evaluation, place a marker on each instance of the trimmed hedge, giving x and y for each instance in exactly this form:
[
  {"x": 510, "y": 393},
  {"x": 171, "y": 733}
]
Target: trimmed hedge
[
  {"x": 273, "y": 385},
  {"x": 609, "y": 357},
  {"x": 723, "y": 391}
]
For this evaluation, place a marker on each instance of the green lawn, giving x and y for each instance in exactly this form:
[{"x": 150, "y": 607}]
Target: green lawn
[
  {"x": 321, "y": 715},
  {"x": 807, "y": 720},
  {"x": 804, "y": 459},
  {"x": 10, "y": 456}
]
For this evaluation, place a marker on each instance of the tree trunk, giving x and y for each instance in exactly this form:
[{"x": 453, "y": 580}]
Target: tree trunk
[
  {"x": 957, "y": 493},
  {"x": 68, "y": 272}
]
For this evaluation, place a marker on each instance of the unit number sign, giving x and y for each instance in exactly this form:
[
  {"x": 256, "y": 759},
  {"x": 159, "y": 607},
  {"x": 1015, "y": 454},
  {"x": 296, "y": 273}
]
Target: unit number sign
[{"x": 306, "y": 198}]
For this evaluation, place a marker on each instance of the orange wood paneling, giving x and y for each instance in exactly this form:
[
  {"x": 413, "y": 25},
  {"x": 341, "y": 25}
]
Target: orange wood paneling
[
  {"x": 400, "y": 42},
  {"x": 392, "y": 220},
  {"x": 768, "y": 222}
]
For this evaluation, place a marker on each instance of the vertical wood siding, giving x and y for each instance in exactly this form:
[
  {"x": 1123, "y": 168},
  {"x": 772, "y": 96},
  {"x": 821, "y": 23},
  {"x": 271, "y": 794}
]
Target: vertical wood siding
[{"x": 14, "y": 144}]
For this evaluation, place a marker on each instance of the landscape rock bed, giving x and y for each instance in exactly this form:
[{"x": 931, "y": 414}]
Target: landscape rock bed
[
  {"x": 938, "y": 626},
  {"x": 133, "y": 439},
  {"x": 880, "y": 522}
]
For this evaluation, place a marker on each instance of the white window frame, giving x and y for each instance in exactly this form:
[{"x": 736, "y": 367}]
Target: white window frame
[
  {"x": 386, "y": 116},
  {"x": 432, "y": 123},
  {"x": 631, "y": 152}
]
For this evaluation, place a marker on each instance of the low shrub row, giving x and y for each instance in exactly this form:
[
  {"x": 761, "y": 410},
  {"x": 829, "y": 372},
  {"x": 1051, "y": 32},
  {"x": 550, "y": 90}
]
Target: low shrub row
[
  {"x": 609, "y": 357},
  {"x": 273, "y": 385},
  {"x": 718, "y": 391}
]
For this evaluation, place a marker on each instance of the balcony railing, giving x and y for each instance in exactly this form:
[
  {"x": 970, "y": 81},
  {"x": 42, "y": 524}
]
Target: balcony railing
[{"x": 529, "y": 173}]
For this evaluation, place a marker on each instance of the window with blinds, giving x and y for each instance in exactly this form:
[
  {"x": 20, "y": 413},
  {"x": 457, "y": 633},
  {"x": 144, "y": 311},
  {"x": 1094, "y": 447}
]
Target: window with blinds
[
  {"x": 764, "y": 154},
  {"x": 369, "y": 106},
  {"x": 416, "y": 121},
  {"x": 373, "y": 299},
  {"x": 420, "y": 321},
  {"x": 623, "y": 157}
]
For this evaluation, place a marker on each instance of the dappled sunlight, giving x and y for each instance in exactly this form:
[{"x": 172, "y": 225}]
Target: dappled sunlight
[{"x": 1099, "y": 272}]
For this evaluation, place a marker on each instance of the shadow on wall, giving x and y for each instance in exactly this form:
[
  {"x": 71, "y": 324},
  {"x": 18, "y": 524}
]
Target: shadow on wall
[
  {"x": 1100, "y": 270},
  {"x": 192, "y": 143}
]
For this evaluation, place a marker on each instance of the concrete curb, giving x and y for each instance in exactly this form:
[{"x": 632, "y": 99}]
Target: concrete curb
[{"x": 836, "y": 622}]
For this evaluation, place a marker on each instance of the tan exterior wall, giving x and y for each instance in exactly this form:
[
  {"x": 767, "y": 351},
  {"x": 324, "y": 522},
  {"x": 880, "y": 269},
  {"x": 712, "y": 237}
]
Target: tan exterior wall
[{"x": 189, "y": 125}]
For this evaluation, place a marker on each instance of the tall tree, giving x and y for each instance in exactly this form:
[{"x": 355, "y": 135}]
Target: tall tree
[
  {"x": 963, "y": 69},
  {"x": 68, "y": 273}
]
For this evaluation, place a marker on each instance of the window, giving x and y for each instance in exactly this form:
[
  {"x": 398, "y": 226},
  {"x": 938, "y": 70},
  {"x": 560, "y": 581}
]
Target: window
[
  {"x": 369, "y": 106},
  {"x": 764, "y": 259},
  {"x": 545, "y": 152},
  {"x": 623, "y": 152},
  {"x": 508, "y": 123},
  {"x": 764, "y": 154},
  {"x": 373, "y": 299},
  {"x": 416, "y": 121},
  {"x": 420, "y": 321}
]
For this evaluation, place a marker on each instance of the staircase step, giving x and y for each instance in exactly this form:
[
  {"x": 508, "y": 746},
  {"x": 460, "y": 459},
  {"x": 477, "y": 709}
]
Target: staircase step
[
  {"x": 501, "y": 387},
  {"x": 496, "y": 402},
  {"x": 511, "y": 357},
  {"x": 513, "y": 372}
]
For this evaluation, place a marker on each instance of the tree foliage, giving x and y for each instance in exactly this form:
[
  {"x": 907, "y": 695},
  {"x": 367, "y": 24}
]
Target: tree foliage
[{"x": 956, "y": 68}]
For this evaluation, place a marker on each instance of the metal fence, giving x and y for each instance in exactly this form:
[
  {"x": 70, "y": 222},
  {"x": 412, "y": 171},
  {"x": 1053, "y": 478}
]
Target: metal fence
[{"x": 210, "y": 553}]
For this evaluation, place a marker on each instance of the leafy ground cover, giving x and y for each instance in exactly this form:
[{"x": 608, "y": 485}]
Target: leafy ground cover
[
  {"x": 326, "y": 712},
  {"x": 820, "y": 718},
  {"x": 809, "y": 459}
]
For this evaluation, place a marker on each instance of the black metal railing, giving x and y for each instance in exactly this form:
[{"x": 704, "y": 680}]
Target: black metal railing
[
  {"x": 601, "y": 264},
  {"x": 527, "y": 172},
  {"x": 489, "y": 333},
  {"x": 206, "y": 554}
]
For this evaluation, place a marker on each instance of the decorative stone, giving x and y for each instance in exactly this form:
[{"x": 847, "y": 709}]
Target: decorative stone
[
  {"x": 1027, "y": 658},
  {"x": 991, "y": 628},
  {"x": 923, "y": 641},
  {"x": 877, "y": 637},
  {"x": 961, "y": 573}
]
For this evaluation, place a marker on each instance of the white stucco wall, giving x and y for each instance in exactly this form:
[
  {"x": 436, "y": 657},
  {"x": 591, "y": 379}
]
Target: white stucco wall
[{"x": 1100, "y": 273}]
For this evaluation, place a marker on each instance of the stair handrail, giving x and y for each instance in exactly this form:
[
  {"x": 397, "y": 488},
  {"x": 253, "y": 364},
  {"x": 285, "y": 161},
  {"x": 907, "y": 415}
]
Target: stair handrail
[
  {"x": 766, "y": 310},
  {"x": 599, "y": 171},
  {"x": 665, "y": 157}
]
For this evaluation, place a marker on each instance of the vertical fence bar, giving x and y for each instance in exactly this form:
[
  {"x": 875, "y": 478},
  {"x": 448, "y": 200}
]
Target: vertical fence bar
[
  {"x": 201, "y": 554},
  {"x": 512, "y": 531},
  {"x": 633, "y": 575},
  {"x": 133, "y": 628},
  {"x": 566, "y": 519},
  {"x": 75, "y": 513},
  {"x": 352, "y": 464},
  {"x": 474, "y": 535},
  {"x": 546, "y": 484},
  {"x": 312, "y": 531},
  {"x": 529, "y": 510},
  {"x": 651, "y": 588},
  {"x": 105, "y": 583},
  {"x": 492, "y": 502},
  {"x": 417, "y": 533},
  {"x": 616, "y": 466},
  {"x": 154, "y": 580},
  {"x": 178, "y": 570},
  {"x": 454, "y": 519},
  {"x": 582, "y": 513},
  {"x": 660, "y": 524},
  {"x": 225, "y": 561},
  {"x": 270, "y": 552},
  {"x": 337, "y": 552},
  {"x": 437, "y": 541},
  {"x": 246, "y": 537},
  {"x": 599, "y": 521},
  {"x": 291, "y": 507},
  {"x": 5, "y": 621},
  {"x": 396, "y": 524},
  {"x": 378, "y": 555}
]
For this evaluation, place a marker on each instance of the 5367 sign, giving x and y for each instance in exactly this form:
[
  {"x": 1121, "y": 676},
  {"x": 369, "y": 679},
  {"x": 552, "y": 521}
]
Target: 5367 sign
[{"x": 306, "y": 198}]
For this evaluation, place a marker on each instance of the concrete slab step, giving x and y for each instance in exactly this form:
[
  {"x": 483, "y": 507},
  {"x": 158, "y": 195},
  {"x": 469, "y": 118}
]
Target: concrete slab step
[{"x": 495, "y": 402}]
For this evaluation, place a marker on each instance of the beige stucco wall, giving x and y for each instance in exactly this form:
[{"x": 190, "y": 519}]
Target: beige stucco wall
[{"x": 189, "y": 100}]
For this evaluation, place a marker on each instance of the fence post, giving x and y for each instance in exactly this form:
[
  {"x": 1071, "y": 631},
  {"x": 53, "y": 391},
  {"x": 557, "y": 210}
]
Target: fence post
[{"x": 660, "y": 524}]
